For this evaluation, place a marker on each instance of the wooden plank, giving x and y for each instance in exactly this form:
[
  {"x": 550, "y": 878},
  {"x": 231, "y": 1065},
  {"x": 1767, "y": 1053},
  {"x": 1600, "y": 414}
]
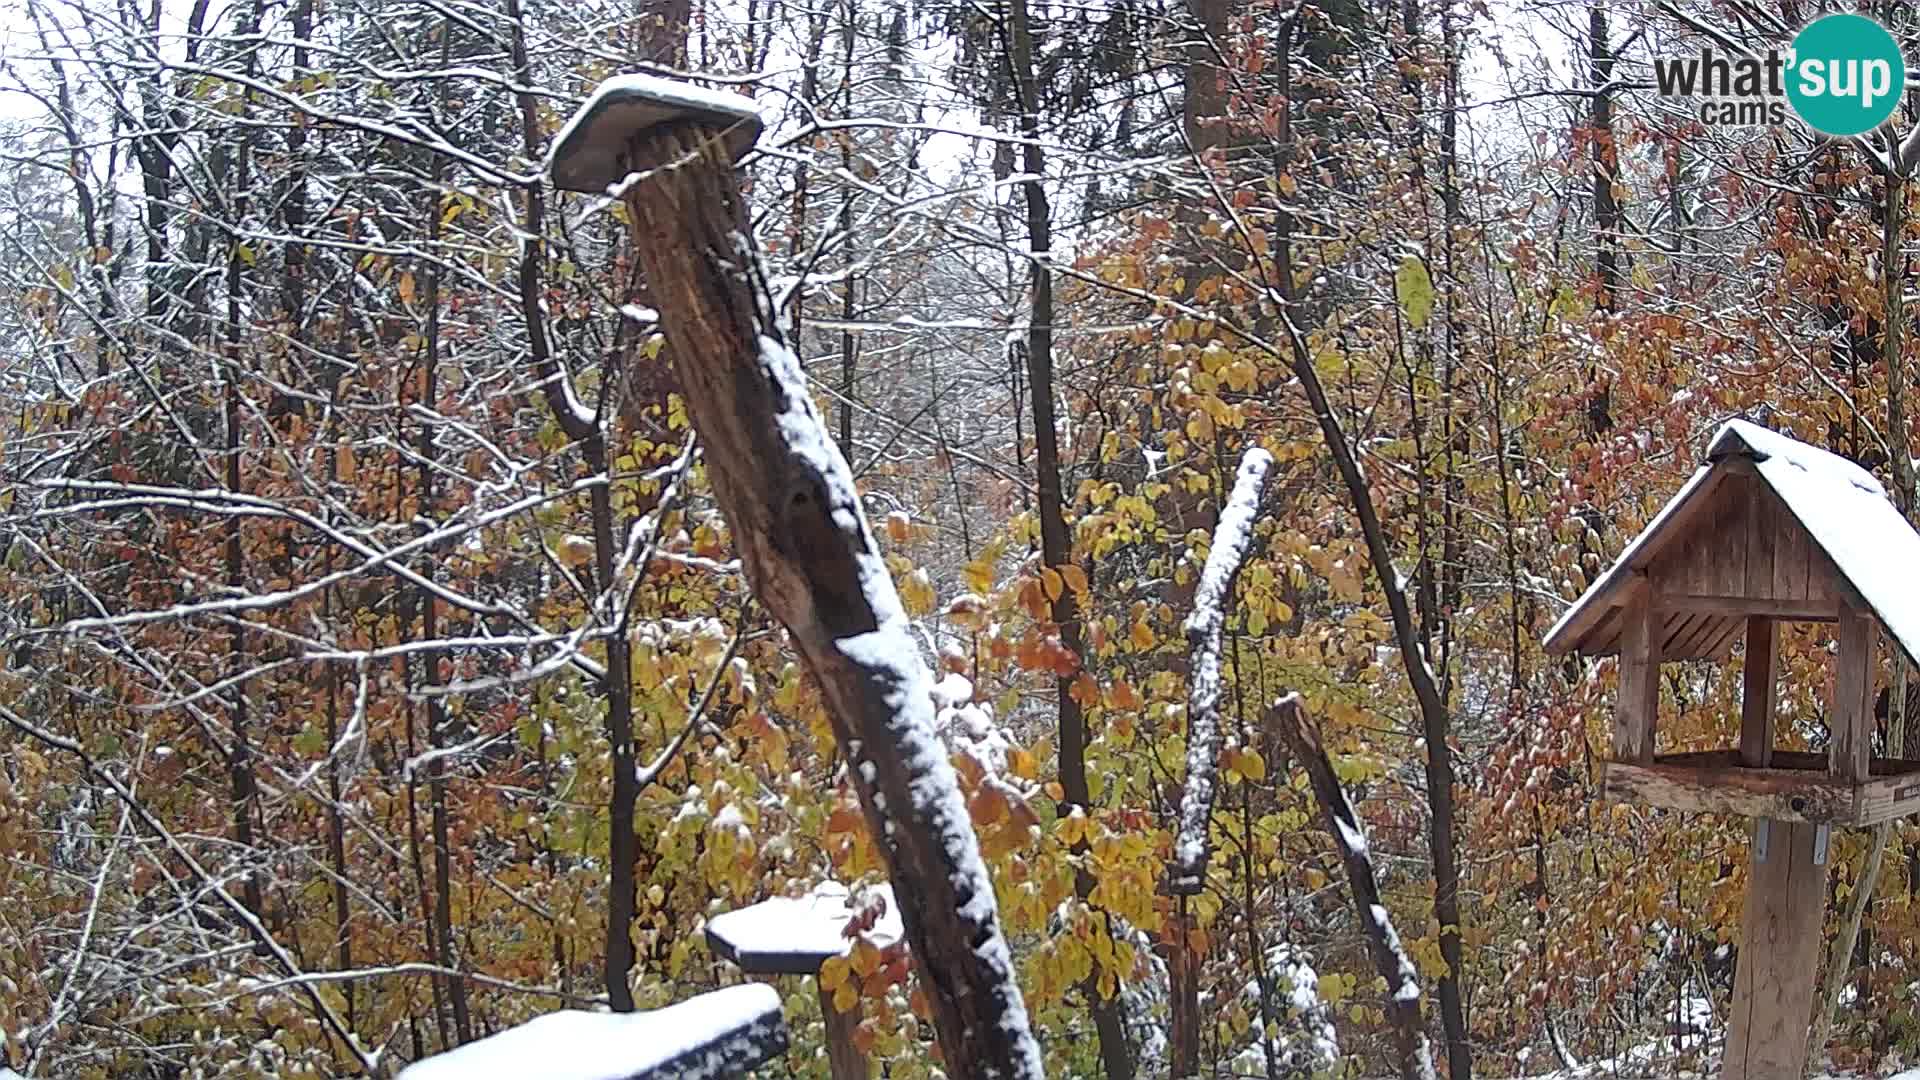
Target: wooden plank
[
  {"x": 1605, "y": 638},
  {"x": 1675, "y": 630},
  {"x": 1730, "y": 789},
  {"x": 1729, "y": 554},
  {"x": 1637, "y": 706},
  {"x": 1757, "y": 693},
  {"x": 1694, "y": 645},
  {"x": 1761, "y": 528},
  {"x": 1721, "y": 604},
  {"x": 1850, "y": 738},
  {"x": 1779, "y": 958},
  {"x": 1789, "y": 558},
  {"x": 1825, "y": 587},
  {"x": 1801, "y": 760},
  {"x": 1887, "y": 798},
  {"x": 1789, "y": 762},
  {"x": 1721, "y": 647},
  {"x": 1700, "y": 551}
]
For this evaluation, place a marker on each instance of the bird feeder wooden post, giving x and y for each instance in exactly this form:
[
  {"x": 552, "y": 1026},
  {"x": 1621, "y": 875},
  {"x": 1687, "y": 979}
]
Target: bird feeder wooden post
[
  {"x": 669, "y": 150},
  {"x": 1768, "y": 530}
]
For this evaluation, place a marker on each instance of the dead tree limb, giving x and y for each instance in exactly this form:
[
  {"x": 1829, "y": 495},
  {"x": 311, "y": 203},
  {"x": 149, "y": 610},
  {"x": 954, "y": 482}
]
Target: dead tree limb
[
  {"x": 1231, "y": 540},
  {"x": 1302, "y": 733},
  {"x": 804, "y": 541}
]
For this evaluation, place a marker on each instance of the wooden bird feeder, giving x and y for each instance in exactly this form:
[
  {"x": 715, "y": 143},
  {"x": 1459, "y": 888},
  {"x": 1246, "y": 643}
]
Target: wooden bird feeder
[
  {"x": 1768, "y": 530},
  {"x": 795, "y": 936}
]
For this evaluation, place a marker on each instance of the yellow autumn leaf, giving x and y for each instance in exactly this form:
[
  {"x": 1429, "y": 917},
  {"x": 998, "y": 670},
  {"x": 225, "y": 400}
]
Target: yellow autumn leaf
[
  {"x": 969, "y": 612},
  {"x": 1072, "y": 828},
  {"x": 979, "y": 576},
  {"x": 574, "y": 550},
  {"x": 1414, "y": 287},
  {"x": 916, "y": 592}
]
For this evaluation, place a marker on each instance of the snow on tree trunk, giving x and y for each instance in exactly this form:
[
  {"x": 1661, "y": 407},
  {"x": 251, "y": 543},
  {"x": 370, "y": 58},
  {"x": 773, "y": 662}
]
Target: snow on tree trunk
[
  {"x": 1390, "y": 959},
  {"x": 811, "y": 558},
  {"x": 1231, "y": 540}
]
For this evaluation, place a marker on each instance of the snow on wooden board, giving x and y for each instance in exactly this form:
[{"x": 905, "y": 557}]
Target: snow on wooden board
[
  {"x": 714, "y": 1035},
  {"x": 793, "y": 935},
  {"x": 590, "y": 152}
]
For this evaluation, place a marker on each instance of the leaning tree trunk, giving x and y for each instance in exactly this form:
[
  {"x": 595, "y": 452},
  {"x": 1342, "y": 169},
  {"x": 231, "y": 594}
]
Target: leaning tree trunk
[{"x": 803, "y": 538}]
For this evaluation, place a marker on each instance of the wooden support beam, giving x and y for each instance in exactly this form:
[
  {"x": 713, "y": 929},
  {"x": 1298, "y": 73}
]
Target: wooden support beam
[
  {"x": 1737, "y": 606},
  {"x": 1638, "y": 704},
  {"x": 1850, "y": 742},
  {"x": 845, "y": 1059},
  {"x": 1773, "y": 979},
  {"x": 1727, "y": 788},
  {"x": 1757, "y": 691}
]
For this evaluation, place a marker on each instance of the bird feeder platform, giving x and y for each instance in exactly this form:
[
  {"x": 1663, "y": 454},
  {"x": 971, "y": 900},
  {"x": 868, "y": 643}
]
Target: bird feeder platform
[{"x": 1793, "y": 787}]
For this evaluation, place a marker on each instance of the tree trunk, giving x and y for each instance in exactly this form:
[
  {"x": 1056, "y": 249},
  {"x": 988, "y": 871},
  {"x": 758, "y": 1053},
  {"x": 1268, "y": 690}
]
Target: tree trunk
[
  {"x": 803, "y": 538},
  {"x": 1056, "y": 544},
  {"x": 1436, "y": 722},
  {"x": 428, "y": 457},
  {"x": 1607, "y": 214},
  {"x": 617, "y": 683}
]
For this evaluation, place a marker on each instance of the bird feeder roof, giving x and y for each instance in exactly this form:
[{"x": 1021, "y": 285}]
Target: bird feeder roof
[
  {"x": 590, "y": 153},
  {"x": 1854, "y": 540}
]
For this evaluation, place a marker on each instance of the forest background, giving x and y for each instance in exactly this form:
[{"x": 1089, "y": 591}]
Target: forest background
[{"x": 357, "y": 563}]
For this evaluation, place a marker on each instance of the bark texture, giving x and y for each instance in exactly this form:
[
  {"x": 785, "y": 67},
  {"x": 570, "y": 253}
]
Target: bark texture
[{"x": 812, "y": 561}]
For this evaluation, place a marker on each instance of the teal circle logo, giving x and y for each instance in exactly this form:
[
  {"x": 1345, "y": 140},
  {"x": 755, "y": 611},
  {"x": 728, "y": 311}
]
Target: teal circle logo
[{"x": 1847, "y": 74}]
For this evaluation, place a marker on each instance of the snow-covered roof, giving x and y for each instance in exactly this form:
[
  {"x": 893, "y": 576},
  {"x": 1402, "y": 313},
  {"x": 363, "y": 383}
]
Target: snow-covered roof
[
  {"x": 590, "y": 153},
  {"x": 1844, "y": 511},
  {"x": 793, "y": 935},
  {"x": 723, "y": 1033}
]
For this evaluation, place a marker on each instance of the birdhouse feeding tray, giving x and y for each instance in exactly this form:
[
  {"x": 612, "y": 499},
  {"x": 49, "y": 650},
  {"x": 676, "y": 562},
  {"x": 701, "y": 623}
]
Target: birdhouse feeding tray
[{"x": 1768, "y": 530}]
